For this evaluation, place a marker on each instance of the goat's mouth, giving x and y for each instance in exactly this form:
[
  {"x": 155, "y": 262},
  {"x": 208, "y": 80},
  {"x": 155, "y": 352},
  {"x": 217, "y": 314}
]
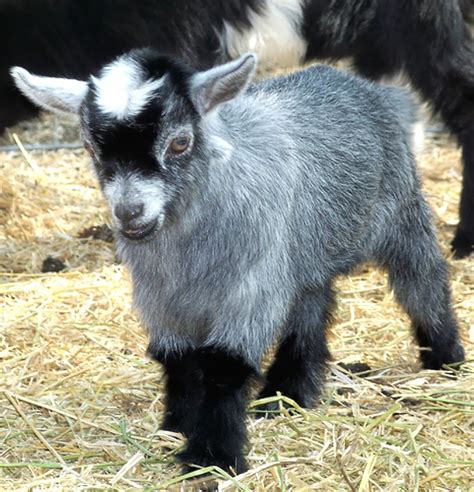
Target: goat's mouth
[{"x": 138, "y": 233}]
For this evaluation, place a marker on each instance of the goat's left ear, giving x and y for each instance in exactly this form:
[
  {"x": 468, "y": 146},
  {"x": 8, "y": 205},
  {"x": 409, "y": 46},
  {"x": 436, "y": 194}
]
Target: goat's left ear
[
  {"x": 54, "y": 94},
  {"x": 222, "y": 83}
]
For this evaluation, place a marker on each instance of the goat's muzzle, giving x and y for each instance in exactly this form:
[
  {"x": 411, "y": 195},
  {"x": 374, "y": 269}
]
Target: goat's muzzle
[{"x": 139, "y": 232}]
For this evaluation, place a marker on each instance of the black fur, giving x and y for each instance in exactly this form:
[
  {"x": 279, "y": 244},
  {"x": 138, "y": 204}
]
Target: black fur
[
  {"x": 206, "y": 398},
  {"x": 129, "y": 143},
  {"x": 184, "y": 390},
  {"x": 75, "y": 38},
  {"x": 298, "y": 369},
  {"x": 219, "y": 433}
]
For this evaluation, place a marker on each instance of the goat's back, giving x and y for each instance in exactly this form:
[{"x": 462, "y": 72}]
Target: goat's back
[{"x": 327, "y": 151}]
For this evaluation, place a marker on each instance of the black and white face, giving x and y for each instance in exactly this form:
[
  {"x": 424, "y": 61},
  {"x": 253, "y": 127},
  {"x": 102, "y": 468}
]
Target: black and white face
[
  {"x": 142, "y": 131},
  {"x": 141, "y": 121}
]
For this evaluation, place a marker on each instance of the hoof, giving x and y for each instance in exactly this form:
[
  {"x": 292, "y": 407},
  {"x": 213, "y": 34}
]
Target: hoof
[
  {"x": 192, "y": 458},
  {"x": 462, "y": 245},
  {"x": 438, "y": 359}
]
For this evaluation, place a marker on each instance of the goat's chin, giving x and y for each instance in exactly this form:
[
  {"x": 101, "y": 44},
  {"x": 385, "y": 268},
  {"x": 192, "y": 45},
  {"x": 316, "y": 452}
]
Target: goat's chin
[{"x": 143, "y": 233}]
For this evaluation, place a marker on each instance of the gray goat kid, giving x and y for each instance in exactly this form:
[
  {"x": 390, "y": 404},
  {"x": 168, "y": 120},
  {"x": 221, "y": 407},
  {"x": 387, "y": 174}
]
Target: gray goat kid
[{"x": 236, "y": 207}]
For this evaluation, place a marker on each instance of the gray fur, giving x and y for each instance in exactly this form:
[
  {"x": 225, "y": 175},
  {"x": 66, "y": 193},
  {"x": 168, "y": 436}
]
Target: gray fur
[
  {"x": 297, "y": 180},
  {"x": 320, "y": 170},
  {"x": 318, "y": 179}
]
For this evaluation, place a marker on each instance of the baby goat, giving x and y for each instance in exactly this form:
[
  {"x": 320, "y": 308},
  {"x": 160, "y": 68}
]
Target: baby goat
[{"x": 236, "y": 207}]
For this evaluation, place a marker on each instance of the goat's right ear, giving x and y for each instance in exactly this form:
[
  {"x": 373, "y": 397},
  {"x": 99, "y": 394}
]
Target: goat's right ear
[
  {"x": 54, "y": 94},
  {"x": 222, "y": 83}
]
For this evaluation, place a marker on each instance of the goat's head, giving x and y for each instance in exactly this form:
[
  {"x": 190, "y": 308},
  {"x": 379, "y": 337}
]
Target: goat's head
[{"x": 142, "y": 120}]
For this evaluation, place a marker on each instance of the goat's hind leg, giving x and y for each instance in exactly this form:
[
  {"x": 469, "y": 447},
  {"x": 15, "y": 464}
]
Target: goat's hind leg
[
  {"x": 300, "y": 362},
  {"x": 419, "y": 277}
]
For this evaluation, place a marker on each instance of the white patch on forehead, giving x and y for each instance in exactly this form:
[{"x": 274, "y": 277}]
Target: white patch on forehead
[
  {"x": 275, "y": 35},
  {"x": 121, "y": 90}
]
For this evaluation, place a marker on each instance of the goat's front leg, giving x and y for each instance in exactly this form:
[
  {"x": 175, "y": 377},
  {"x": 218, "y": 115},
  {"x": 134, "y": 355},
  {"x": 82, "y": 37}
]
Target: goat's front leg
[
  {"x": 184, "y": 389},
  {"x": 219, "y": 433}
]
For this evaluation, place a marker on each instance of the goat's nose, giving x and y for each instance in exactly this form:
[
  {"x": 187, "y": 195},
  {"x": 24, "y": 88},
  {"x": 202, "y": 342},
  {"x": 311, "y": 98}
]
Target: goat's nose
[{"x": 126, "y": 213}]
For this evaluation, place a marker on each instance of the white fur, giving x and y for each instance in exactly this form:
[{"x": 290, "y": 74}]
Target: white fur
[
  {"x": 222, "y": 149},
  {"x": 121, "y": 90},
  {"x": 54, "y": 94},
  {"x": 418, "y": 137},
  {"x": 275, "y": 35},
  {"x": 134, "y": 188},
  {"x": 400, "y": 79}
]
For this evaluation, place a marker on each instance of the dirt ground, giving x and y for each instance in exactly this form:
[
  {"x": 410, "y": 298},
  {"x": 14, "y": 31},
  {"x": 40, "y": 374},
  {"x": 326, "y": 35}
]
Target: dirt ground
[{"x": 80, "y": 404}]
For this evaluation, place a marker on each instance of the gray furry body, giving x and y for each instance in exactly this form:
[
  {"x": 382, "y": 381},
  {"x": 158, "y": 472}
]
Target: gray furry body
[
  {"x": 318, "y": 171},
  {"x": 236, "y": 207}
]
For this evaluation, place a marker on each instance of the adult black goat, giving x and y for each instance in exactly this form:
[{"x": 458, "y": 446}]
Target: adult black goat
[{"x": 428, "y": 40}]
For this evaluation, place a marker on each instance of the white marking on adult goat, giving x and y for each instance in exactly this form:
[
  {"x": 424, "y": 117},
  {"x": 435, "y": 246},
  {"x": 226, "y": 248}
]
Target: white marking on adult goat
[
  {"x": 275, "y": 35},
  {"x": 400, "y": 79},
  {"x": 121, "y": 90},
  {"x": 418, "y": 137}
]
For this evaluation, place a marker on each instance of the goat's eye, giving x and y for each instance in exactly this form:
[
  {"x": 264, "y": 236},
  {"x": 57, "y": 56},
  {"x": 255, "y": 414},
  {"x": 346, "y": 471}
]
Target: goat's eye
[{"x": 179, "y": 144}]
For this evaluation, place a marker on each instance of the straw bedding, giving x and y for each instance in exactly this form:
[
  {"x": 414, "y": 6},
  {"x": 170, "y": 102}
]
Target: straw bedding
[{"x": 80, "y": 405}]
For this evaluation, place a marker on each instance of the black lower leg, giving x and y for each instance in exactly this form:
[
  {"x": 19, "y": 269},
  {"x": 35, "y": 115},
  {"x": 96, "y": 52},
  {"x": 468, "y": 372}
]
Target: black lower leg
[
  {"x": 219, "y": 434},
  {"x": 298, "y": 369},
  {"x": 419, "y": 277},
  {"x": 425, "y": 295},
  {"x": 184, "y": 390},
  {"x": 438, "y": 349},
  {"x": 463, "y": 242}
]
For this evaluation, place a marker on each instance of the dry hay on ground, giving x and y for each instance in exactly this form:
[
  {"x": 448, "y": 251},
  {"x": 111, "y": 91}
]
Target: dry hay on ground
[{"x": 80, "y": 405}]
